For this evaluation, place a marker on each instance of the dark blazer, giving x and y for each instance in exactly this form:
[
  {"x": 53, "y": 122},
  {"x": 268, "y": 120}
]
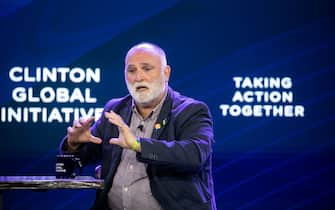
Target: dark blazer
[{"x": 178, "y": 154}]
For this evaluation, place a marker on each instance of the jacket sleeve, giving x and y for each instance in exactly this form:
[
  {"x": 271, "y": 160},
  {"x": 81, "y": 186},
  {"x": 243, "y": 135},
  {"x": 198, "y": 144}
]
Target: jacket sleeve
[{"x": 192, "y": 146}]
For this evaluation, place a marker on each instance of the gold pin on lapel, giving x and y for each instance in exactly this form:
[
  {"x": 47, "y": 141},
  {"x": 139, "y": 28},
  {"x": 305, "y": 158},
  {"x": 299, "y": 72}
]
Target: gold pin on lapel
[{"x": 157, "y": 126}]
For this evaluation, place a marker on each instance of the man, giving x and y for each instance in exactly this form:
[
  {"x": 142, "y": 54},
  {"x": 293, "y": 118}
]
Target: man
[{"x": 154, "y": 145}]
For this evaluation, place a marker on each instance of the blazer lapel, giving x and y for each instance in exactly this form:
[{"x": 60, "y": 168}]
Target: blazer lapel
[
  {"x": 163, "y": 117},
  {"x": 125, "y": 113}
]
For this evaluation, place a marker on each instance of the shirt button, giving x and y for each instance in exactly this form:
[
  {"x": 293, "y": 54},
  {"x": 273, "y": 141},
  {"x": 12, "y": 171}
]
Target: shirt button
[
  {"x": 125, "y": 189},
  {"x": 131, "y": 166}
]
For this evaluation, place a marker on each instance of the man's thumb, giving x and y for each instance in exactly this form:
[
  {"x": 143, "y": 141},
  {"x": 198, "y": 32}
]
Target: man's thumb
[
  {"x": 95, "y": 140},
  {"x": 114, "y": 141}
]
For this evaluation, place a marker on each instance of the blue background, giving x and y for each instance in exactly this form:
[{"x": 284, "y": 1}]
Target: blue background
[{"x": 259, "y": 163}]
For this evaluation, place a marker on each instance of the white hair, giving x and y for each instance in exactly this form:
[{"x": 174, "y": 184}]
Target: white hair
[{"x": 146, "y": 46}]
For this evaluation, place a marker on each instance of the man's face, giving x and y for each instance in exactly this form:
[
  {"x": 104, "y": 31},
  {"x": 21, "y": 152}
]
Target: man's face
[{"x": 146, "y": 78}]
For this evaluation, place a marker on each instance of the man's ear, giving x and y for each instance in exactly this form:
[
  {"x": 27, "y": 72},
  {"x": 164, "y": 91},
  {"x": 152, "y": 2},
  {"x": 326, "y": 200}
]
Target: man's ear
[{"x": 167, "y": 72}]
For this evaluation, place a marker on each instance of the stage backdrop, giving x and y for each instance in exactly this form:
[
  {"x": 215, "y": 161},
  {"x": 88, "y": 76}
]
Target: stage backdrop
[{"x": 265, "y": 69}]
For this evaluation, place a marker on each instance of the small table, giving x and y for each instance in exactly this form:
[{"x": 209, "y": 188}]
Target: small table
[{"x": 47, "y": 183}]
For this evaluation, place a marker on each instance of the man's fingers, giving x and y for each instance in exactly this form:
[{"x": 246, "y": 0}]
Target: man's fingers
[
  {"x": 86, "y": 122},
  {"x": 95, "y": 140},
  {"x": 69, "y": 129},
  {"x": 114, "y": 141},
  {"x": 76, "y": 124},
  {"x": 108, "y": 115},
  {"x": 115, "y": 122},
  {"x": 90, "y": 120},
  {"x": 114, "y": 118},
  {"x": 113, "y": 115}
]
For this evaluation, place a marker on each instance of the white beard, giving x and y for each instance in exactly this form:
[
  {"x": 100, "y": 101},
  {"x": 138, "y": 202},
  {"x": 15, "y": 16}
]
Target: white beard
[{"x": 155, "y": 90}]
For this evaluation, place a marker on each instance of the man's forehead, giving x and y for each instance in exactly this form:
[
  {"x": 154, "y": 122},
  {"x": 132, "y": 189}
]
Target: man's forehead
[
  {"x": 144, "y": 56},
  {"x": 142, "y": 64}
]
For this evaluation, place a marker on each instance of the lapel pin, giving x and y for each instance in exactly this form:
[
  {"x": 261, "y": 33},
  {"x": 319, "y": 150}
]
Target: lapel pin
[{"x": 157, "y": 126}]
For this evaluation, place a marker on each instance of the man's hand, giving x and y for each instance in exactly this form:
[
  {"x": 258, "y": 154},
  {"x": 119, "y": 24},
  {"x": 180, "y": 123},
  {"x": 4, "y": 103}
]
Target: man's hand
[
  {"x": 80, "y": 133},
  {"x": 127, "y": 139}
]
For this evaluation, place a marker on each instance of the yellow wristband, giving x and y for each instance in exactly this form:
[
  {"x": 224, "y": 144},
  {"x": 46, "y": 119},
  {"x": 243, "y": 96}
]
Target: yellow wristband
[{"x": 136, "y": 145}]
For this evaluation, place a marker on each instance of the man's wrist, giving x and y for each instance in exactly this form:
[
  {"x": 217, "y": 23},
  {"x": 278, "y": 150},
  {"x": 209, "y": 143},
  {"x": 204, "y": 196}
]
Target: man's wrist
[
  {"x": 136, "y": 146},
  {"x": 72, "y": 147}
]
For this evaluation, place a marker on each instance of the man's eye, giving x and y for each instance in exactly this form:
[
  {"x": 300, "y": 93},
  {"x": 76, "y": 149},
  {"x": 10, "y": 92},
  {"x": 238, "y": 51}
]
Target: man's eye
[
  {"x": 147, "y": 68},
  {"x": 131, "y": 70}
]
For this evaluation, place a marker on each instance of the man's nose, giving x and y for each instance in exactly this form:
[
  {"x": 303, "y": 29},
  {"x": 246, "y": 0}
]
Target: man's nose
[{"x": 139, "y": 76}]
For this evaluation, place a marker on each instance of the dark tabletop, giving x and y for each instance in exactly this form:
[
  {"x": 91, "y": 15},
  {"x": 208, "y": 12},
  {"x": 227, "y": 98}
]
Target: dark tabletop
[{"x": 49, "y": 182}]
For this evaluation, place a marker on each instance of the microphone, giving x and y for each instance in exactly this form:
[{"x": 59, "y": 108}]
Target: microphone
[{"x": 141, "y": 126}]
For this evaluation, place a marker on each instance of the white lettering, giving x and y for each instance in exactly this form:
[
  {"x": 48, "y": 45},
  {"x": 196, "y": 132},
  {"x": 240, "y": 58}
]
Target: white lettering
[
  {"x": 13, "y": 74},
  {"x": 19, "y": 94}
]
